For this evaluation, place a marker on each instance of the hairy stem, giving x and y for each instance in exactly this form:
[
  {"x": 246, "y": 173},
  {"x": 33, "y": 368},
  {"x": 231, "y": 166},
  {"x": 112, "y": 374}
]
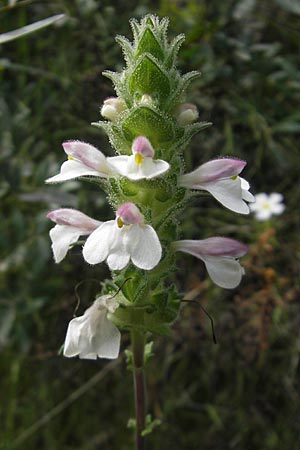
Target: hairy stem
[{"x": 138, "y": 346}]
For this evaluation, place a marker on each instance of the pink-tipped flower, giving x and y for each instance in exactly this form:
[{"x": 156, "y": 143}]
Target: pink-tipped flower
[
  {"x": 123, "y": 239},
  {"x": 220, "y": 256},
  {"x": 140, "y": 164},
  {"x": 187, "y": 113},
  {"x": 93, "y": 335},
  {"x": 112, "y": 107},
  {"x": 220, "y": 178},
  {"x": 83, "y": 160},
  {"x": 70, "y": 225}
]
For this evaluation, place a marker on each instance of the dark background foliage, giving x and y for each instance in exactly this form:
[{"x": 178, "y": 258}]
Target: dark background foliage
[{"x": 242, "y": 393}]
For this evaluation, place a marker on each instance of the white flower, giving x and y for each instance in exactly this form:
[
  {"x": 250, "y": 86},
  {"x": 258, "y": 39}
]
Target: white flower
[
  {"x": 140, "y": 164},
  {"x": 266, "y": 205},
  {"x": 219, "y": 255},
  {"x": 220, "y": 178},
  {"x": 123, "y": 239},
  {"x": 93, "y": 335},
  {"x": 71, "y": 224},
  {"x": 83, "y": 160}
]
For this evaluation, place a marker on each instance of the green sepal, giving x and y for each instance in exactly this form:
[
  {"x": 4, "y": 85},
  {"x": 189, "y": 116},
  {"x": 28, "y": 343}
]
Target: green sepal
[
  {"x": 182, "y": 86},
  {"x": 145, "y": 121},
  {"x": 191, "y": 130},
  {"x": 115, "y": 135},
  {"x": 149, "y": 78},
  {"x": 120, "y": 86},
  {"x": 114, "y": 190},
  {"x": 149, "y": 44},
  {"x": 135, "y": 285},
  {"x": 173, "y": 51},
  {"x": 164, "y": 191},
  {"x": 127, "y": 48}
]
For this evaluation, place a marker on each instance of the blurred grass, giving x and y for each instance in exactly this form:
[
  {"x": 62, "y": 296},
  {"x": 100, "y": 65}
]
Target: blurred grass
[{"x": 240, "y": 394}]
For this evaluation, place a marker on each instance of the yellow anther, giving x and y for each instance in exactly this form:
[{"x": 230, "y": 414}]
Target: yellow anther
[
  {"x": 120, "y": 222},
  {"x": 70, "y": 158},
  {"x": 234, "y": 177},
  {"x": 138, "y": 158}
]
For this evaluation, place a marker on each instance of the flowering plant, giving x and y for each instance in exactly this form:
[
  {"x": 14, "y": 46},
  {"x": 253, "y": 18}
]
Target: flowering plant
[{"x": 149, "y": 124}]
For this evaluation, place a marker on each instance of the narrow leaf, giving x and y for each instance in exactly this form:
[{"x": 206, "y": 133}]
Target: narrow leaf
[{"x": 20, "y": 32}]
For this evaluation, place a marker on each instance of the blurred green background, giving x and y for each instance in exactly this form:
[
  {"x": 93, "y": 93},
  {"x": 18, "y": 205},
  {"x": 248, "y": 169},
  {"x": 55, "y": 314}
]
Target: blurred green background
[{"x": 242, "y": 393}]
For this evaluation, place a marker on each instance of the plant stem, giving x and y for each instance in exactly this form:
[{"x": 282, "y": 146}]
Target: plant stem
[{"x": 138, "y": 346}]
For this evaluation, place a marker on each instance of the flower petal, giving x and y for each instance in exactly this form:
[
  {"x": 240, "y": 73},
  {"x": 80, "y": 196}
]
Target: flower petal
[
  {"x": 118, "y": 259},
  {"x": 62, "y": 236},
  {"x": 74, "y": 218},
  {"x": 153, "y": 168},
  {"x": 106, "y": 342},
  {"x": 147, "y": 169},
  {"x": 225, "y": 272},
  {"x": 213, "y": 246},
  {"x": 142, "y": 243},
  {"x": 72, "y": 169},
  {"x": 92, "y": 335},
  {"x": 88, "y": 155},
  {"x": 99, "y": 244},
  {"x": 229, "y": 193},
  {"x": 119, "y": 163},
  {"x": 275, "y": 197},
  {"x": 214, "y": 170},
  {"x": 71, "y": 345}
]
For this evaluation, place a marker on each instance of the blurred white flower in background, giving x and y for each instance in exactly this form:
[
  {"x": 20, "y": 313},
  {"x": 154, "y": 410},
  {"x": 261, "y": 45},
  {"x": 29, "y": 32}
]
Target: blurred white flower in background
[{"x": 266, "y": 206}]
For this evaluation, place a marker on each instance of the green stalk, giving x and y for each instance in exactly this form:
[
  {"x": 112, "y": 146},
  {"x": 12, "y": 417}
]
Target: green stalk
[{"x": 138, "y": 347}]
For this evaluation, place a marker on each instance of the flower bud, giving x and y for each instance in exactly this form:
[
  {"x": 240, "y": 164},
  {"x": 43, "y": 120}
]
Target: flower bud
[
  {"x": 146, "y": 99},
  {"x": 112, "y": 107},
  {"x": 187, "y": 114}
]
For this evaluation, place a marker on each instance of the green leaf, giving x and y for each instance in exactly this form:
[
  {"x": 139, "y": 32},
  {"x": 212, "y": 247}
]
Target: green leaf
[
  {"x": 20, "y": 32},
  {"x": 143, "y": 120},
  {"x": 149, "y": 78},
  {"x": 149, "y": 44}
]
